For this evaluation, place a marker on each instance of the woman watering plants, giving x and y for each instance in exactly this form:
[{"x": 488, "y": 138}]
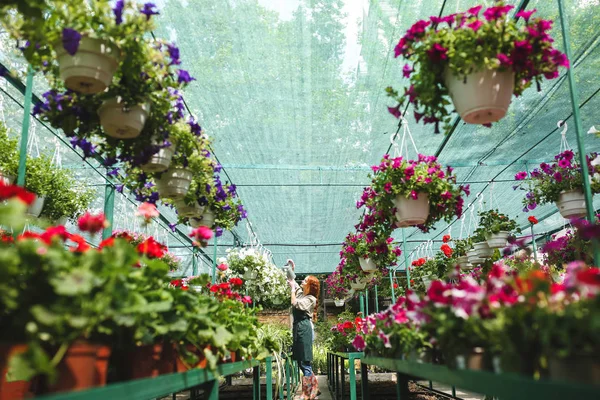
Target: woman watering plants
[{"x": 304, "y": 304}]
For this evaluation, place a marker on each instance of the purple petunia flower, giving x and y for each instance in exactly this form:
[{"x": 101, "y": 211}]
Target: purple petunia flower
[
  {"x": 218, "y": 168},
  {"x": 118, "y": 11},
  {"x": 218, "y": 231},
  {"x": 109, "y": 161},
  {"x": 173, "y": 226},
  {"x": 184, "y": 77},
  {"x": 195, "y": 126},
  {"x": 174, "y": 54},
  {"x": 232, "y": 189},
  {"x": 70, "y": 40},
  {"x": 149, "y": 10},
  {"x": 114, "y": 172},
  {"x": 119, "y": 188}
]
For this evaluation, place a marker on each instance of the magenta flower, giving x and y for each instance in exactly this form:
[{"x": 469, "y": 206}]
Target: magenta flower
[
  {"x": 414, "y": 195},
  {"x": 397, "y": 162},
  {"x": 359, "y": 343},
  {"x": 505, "y": 61},
  {"x": 564, "y": 163},
  {"x": 400, "y": 48},
  {"x": 437, "y": 53},
  {"x": 395, "y": 111},
  {"x": 494, "y": 13},
  {"x": 525, "y": 14},
  {"x": 474, "y": 10},
  {"x": 409, "y": 172},
  {"x": 418, "y": 116},
  {"x": 475, "y": 25},
  {"x": 520, "y": 176},
  {"x": 567, "y": 155},
  {"x": 447, "y": 195},
  {"x": 557, "y": 176},
  {"x": 385, "y": 339},
  {"x": 412, "y": 95},
  {"x": 560, "y": 59},
  {"x": 407, "y": 70}
]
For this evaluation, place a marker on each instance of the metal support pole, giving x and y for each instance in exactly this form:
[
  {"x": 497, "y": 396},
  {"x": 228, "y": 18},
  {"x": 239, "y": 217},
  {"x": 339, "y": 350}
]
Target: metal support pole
[
  {"x": 367, "y": 301},
  {"x": 109, "y": 208},
  {"x": 406, "y": 266},
  {"x": 287, "y": 378},
  {"x": 211, "y": 390},
  {"x": 256, "y": 383},
  {"x": 25, "y": 129},
  {"x": 587, "y": 191},
  {"x": 361, "y": 300},
  {"x": 402, "y": 391},
  {"x": 269, "y": 380},
  {"x": 364, "y": 380},
  {"x": 214, "y": 264},
  {"x": 194, "y": 263},
  {"x": 533, "y": 244},
  {"x": 352, "y": 371},
  {"x": 376, "y": 300},
  {"x": 392, "y": 286}
]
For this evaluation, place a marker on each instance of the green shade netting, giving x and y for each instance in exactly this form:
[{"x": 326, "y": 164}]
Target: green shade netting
[{"x": 293, "y": 94}]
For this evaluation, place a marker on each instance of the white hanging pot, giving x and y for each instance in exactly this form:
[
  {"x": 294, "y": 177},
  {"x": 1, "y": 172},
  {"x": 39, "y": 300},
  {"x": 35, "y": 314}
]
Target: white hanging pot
[
  {"x": 483, "y": 97},
  {"x": 498, "y": 240},
  {"x": 358, "y": 285},
  {"x": 91, "y": 69},
  {"x": 483, "y": 250},
  {"x": 61, "y": 221},
  {"x": 411, "y": 211},
  {"x": 6, "y": 178},
  {"x": 160, "y": 161},
  {"x": 208, "y": 218},
  {"x": 426, "y": 280},
  {"x": 472, "y": 256},
  {"x": 35, "y": 208},
  {"x": 123, "y": 122},
  {"x": 174, "y": 183},
  {"x": 339, "y": 302},
  {"x": 195, "y": 222},
  {"x": 571, "y": 204},
  {"x": 463, "y": 262},
  {"x": 250, "y": 274},
  {"x": 185, "y": 210},
  {"x": 367, "y": 264}
]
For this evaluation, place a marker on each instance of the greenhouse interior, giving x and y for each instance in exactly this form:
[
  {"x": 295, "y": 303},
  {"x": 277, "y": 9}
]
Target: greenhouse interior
[{"x": 299, "y": 199}]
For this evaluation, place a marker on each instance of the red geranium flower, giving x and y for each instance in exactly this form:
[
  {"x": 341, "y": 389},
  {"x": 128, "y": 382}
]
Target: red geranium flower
[
  {"x": 10, "y": 191},
  {"x": 236, "y": 281},
  {"x": 92, "y": 223},
  {"x": 589, "y": 276},
  {"x": 151, "y": 248},
  {"x": 446, "y": 238},
  {"x": 533, "y": 220},
  {"x": 447, "y": 250},
  {"x": 108, "y": 242},
  {"x": 82, "y": 246}
]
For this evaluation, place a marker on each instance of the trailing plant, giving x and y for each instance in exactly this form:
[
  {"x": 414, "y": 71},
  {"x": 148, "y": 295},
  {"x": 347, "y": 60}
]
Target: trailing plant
[
  {"x": 409, "y": 178},
  {"x": 493, "y": 221},
  {"x": 461, "y": 246},
  {"x": 545, "y": 184},
  {"x": 468, "y": 42}
]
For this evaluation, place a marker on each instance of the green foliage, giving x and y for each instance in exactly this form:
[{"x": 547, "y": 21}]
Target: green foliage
[
  {"x": 493, "y": 221},
  {"x": 461, "y": 246}
]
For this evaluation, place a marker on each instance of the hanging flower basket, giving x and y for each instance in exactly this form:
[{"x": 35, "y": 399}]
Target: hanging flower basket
[
  {"x": 339, "y": 302},
  {"x": 208, "y": 218},
  {"x": 359, "y": 285},
  {"x": 410, "y": 212},
  {"x": 174, "y": 183},
  {"x": 483, "y": 97},
  {"x": 185, "y": 210},
  {"x": 250, "y": 274},
  {"x": 463, "y": 262},
  {"x": 6, "y": 178},
  {"x": 123, "y": 122},
  {"x": 483, "y": 250},
  {"x": 35, "y": 209},
  {"x": 367, "y": 264},
  {"x": 195, "y": 222},
  {"x": 498, "y": 240},
  {"x": 571, "y": 204},
  {"x": 160, "y": 161},
  {"x": 473, "y": 257},
  {"x": 90, "y": 70}
]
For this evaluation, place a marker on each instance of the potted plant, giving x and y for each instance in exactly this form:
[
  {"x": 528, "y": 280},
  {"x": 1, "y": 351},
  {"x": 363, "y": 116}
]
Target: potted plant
[
  {"x": 38, "y": 179},
  {"x": 337, "y": 287},
  {"x": 561, "y": 183},
  {"x": 223, "y": 209},
  {"x": 480, "y": 245},
  {"x": 414, "y": 192},
  {"x": 497, "y": 227},
  {"x": 461, "y": 247},
  {"x": 571, "y": 246},
  {"x": 374, "y": 250},
  {"x": 478, "y": 59},
  {"x": 9, "y": 156}
]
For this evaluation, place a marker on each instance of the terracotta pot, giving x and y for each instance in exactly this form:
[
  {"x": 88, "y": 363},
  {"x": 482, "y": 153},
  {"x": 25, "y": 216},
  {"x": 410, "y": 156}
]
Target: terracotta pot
[
  {"x": 151, "y": 361},
  {"x": 77, "y": 369},
  {"x": 571, "y": 204},
  {"x": 160, "y": 161},
  {"x": 122, "y": 122},
  {"x": 91, "y": 69},
  {"x": 182, "y": 366},
  {"x": 483, "y": 97},
  {"x": 17, "y": 389},
  {"x": 581, "y": 369},
  {"x": 102, "y": 358},
  {"x": 367, "y": 265},
  {"x": 411, "y": 211}
]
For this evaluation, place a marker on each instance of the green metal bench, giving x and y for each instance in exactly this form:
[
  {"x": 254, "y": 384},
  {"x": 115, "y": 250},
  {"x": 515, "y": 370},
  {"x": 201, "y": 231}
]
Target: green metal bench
[{"x": 336, "y": 373}]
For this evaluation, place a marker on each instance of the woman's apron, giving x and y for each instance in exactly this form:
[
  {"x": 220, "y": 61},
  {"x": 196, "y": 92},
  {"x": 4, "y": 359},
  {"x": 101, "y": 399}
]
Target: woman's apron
[{"x": 302, "y": 349}]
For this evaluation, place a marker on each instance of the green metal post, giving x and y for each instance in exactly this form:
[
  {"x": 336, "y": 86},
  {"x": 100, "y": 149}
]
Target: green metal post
[
  {"x": 214, "y": 266},
  {"x": 392, "y": 286},
  {"x": 211, "y": 390},
  {"x": 269, "y": 379},
  {"x": 376, "y": 300},
  {"x": 25, "y": 128},
  {"x": 367, "y": 301},
  {"x": 533, "y": 243},
  {"x": 194, "y": 263},
  {"x": 406, "y": 266},
  {"x": 287, "y": 378},
  {"x": 352, "y": 378},
  {"x": 362, "y": 304},
  {"x": 256, "y": 383},
  {"x": 109, "y": 208},
  {"x": 587, "y": 191}
]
